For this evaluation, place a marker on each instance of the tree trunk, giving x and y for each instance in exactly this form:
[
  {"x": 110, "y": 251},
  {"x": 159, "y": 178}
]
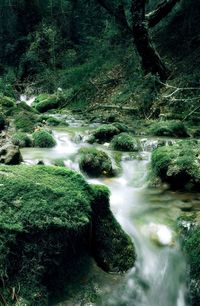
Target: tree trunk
[
  {"x": 151, "y": 60},
  {"x": 162, "y": 10}
]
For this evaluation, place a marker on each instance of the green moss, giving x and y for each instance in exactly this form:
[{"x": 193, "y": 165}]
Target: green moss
[
  {"x": 112, "y": 247},
  {"x": 25, "y": 121},
  {"x": 169, "y": 128},
  {"x": 95, "y": 162},
  {"x": 7, "y": 102},
  {"x": 56, "y": 122},
  {"x": 105, "y": 133},
  {"x": 178, "y": 165},
  {"x": 43, "y": 139},
  {"x": 124, "y": 142},
  {"x": 45, "y": 217},
  {"x": 190, "y": 244},
  {"x": 45, "y": 102},
  {"x": 22, "y": 140}
]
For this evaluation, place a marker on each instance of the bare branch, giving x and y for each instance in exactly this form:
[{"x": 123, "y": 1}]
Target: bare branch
[{"x": 162, "y": 10}]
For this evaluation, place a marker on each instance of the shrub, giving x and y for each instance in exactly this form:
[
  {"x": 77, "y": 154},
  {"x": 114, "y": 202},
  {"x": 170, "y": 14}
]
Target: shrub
[
  {"x": 43, "y": 139},
  {"x": 169, "y": 128},
  {"x": 124, "y": 142},
  {"x": 22, "y": 140},
  {"x": 95, "y": 162},
  {"x": 177, "y": 165},
  {"x": 105, "y": 133},
  {"x": 25, "y": 121}
]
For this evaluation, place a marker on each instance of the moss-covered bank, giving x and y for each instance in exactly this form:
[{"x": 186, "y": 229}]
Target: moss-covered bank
[{"x": 48, "y": 222}]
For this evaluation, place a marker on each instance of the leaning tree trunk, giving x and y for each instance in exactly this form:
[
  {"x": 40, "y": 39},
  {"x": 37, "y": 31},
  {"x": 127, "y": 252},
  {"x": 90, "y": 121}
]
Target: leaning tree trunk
[{"x": 151, "y": 60}]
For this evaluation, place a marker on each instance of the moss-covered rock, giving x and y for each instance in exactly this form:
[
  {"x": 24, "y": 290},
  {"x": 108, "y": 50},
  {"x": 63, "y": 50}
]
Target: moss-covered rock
[
  {"x": 178, "y": 165},
  {"x": 112, "y": 248},
  {"x": 45, "y": 102},
  {"x": 124, "y": 142},
  {"x": 169, "y": 128},
  {"x": 95, "y": 162},
  {"x": 22, "y": 140},
  {"x": 51, "y": 121},
  {"x": 25, "y": 121},
  {"x": 105, "y": 133},
  {"x": 45, "y": 222},
  {"x": 50, "y": 217},
  {"x": 43, "y": 139},
  {"x": 189, "y": 226},
  {"x": 10, "y": 154}
]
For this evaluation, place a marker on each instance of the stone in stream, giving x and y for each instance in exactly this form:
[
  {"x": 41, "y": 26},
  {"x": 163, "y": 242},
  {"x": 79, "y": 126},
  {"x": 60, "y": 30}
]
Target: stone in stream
[
  {"x": 95, "y": 162},
  {"x": 52, "y": 221},
  {"x": 10, "y": 154}
]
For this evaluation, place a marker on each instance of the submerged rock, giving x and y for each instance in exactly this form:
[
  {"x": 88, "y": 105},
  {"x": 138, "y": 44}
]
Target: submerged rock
[
  {"x": 10, "y": 154},
  {"x": 50, "y": 220}
]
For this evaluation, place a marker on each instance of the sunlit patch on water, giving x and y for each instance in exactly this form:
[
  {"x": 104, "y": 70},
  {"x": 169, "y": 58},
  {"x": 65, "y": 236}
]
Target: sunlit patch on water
[{"x": 159, "y": 233}]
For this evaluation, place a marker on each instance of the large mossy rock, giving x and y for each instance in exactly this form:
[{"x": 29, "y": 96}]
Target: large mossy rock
[
  {"x": 125, "y": 142},
  {"x": 43, "y": 139},
  {"x": 10, "y": 154},
  {"x": 25, "y": 121},
  {"x": 189, "y": 226},
  {"x": 49, "y": 219},
  {"x": 178, "y": 165},
  {"x": 112, "y": 248},
  {"x": 105, "y": 133},
  {"x": 169, "y": 128},
  {"x": 95, "y": 162},
  {"x": 45, "y": 102}
]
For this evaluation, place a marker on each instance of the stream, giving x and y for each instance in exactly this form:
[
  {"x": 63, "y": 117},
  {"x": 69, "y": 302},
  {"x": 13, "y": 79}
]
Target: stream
[{"x": 148, "y": 215}]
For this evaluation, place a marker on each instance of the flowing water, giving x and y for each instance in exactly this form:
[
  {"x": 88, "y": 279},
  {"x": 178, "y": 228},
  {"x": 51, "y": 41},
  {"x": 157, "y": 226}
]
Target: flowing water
[{"x": 148, "y": 215}]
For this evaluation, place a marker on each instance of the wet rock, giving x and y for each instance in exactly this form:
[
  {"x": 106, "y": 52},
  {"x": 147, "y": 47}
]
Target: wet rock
[
  {"x": 10, "y": 154},
  {"x": 95, "y": 163},
  {"x": 77, "y": 138},
  {"x": 112, "y": 248}
]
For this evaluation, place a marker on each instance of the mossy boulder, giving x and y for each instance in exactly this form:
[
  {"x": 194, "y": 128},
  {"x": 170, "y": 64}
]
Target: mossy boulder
[
  {"x": 178, "y": 165},
  {"x": 50, "y": 219},
  {"x": 95, "y": 162},
  {"x": 25, "y": 121},
  {"x": 105, "y": 133},
  {"x": 124, "y": 142},
  {"x": 51, "y": 121},
  {"x": 10, "y": 154},
  {"x": 169, "y": 128},
  {"x": 43, "y": 139},
  {"x": 189, "y": 226},
  {"x": 22, "y": 140},
  {"x": 45, "y": 102},
  {"x": 113, "y": 250}
]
